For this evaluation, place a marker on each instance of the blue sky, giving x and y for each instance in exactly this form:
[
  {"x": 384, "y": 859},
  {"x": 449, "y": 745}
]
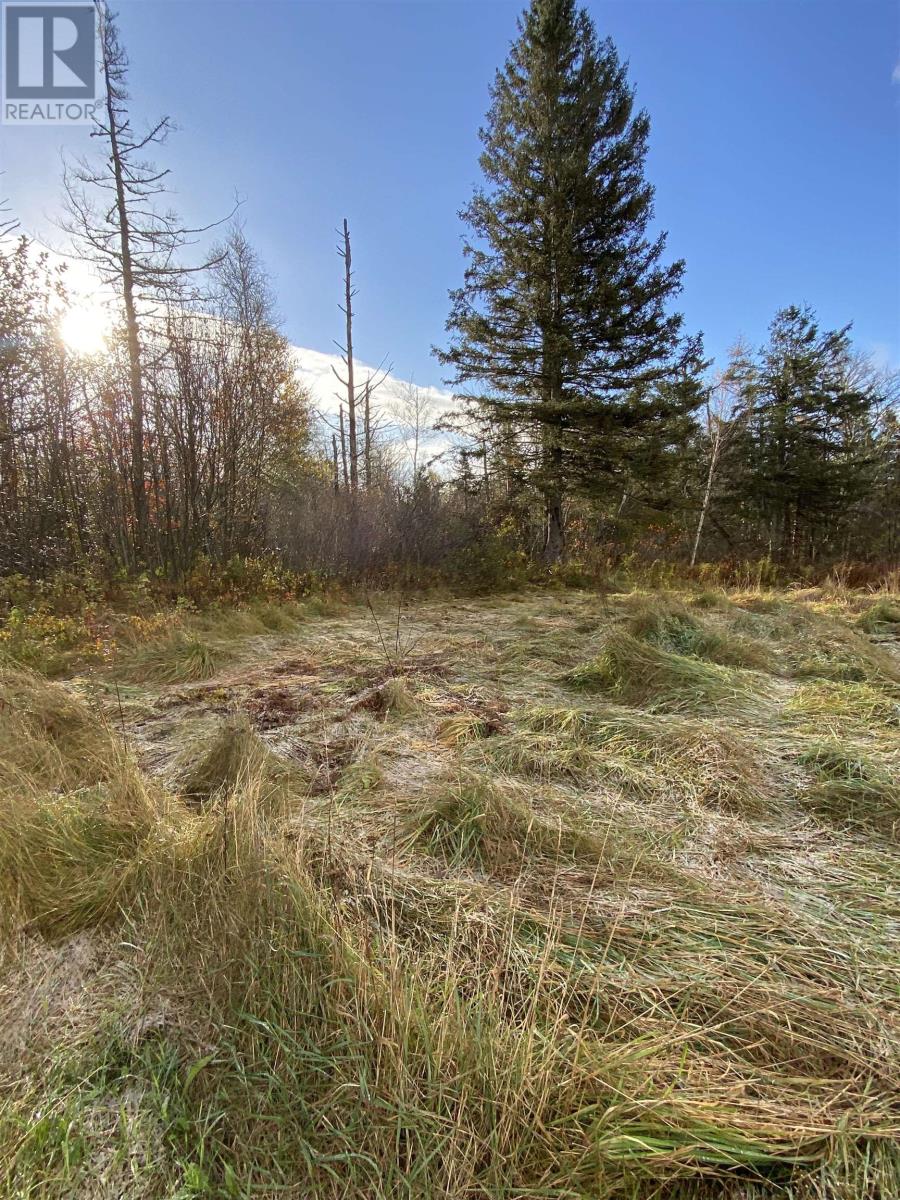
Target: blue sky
[{"x": 774, "y": 151}]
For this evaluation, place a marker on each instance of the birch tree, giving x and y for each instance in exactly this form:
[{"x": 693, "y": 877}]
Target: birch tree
[{"x": 724, "y": 420}]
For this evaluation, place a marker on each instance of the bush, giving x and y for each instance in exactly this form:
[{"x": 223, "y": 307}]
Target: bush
[
  {"x": 240, "y": 580},
  {"x": 45, "y": 642}
]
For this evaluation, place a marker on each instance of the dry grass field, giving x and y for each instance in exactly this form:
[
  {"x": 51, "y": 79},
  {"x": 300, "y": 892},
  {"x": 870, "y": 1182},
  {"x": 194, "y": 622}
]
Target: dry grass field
[{"x": 555, "y": 894}]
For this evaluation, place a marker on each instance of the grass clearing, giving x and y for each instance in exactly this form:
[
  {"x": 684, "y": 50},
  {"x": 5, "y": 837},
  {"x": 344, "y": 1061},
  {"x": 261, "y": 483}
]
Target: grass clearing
[{"x": 472, "y": 929}]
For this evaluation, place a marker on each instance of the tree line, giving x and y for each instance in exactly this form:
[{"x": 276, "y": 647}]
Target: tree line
[{"x": 589, "y": 420}]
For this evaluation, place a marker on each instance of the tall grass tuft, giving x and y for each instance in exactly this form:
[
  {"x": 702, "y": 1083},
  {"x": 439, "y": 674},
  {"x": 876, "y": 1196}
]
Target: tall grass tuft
[
  {"x": 671, "y": 626},
  {"x": 639, "y": 673},
  {"x": 179, "y": 657},
  {"x": 474, "y": 820}
]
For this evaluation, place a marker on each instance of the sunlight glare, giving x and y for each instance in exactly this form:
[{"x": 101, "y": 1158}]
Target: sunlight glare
[{"x": 84, "y": 328}]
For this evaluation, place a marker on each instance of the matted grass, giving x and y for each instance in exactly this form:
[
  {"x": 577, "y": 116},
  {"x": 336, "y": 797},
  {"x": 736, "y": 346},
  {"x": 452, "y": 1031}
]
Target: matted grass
[
  {"x": 473, "y": 929},
  {"x": 672, "y": 626},
  {"x": 472, "y": 820},
  {"x": 831, "y": 704},
  {"x": 853, "y": 788},
  {"x": 881, "y": 617},
  {"x": 642, "y": 674},
  {"x": 655, "y": 756}
]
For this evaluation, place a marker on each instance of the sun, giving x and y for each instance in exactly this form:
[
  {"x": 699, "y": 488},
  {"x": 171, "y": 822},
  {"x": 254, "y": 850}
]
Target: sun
[{"x": 84, "y": 329}]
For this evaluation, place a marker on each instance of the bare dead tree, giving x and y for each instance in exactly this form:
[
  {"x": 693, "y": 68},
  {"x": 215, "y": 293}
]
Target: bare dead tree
[
  {"x": 132, "y": 244},
  {"x": 373, "y": 423},
  {"x": 347, "y": 356},
  {"x": 355, "y": 394},
  {"x": 415, "y": 416},
  {"x": 8, "y": 225}
]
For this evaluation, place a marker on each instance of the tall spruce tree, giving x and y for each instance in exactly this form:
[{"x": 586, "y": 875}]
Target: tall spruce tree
[
  {"x": 806, "y": 455},
  {"x": 562, "y": 322}
]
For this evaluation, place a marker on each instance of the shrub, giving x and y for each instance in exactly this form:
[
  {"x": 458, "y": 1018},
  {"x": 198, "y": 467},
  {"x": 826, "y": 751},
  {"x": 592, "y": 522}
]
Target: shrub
[{"x": 49, "y": 643}]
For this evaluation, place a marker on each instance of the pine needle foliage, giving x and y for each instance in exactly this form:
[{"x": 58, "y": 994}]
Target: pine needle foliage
[{"x": 563, "y": 325}]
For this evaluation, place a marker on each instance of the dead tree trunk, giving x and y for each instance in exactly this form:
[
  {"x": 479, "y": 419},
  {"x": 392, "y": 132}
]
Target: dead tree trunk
[
  {"x": 134, "y": 245},
  {"x": 135, "y": 372},
  {"x": 351, "y": 391},
  {"x": 343, "y": 446},
  {"x": 367, "y": 431}
]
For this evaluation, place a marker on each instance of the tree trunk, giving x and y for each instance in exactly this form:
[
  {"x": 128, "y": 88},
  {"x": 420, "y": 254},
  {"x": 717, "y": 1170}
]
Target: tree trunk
[
  {"x": 554, "y": 530},
  {"x": 554, "y": 538},
  {"x": 136, "y": 381},
  {"x": 351, "y": 391},
  {"x": 367, "y": 433},
  {"x": 706, "y": 495},
  {"x": 343, "y": 446}
]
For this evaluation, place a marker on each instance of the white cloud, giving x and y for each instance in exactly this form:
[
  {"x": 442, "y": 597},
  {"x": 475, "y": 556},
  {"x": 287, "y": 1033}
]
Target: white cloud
[
  {"x": 895, "y": 75},
  {"x": 315, "y": 370},
  {"x": 389, "y": 401}
]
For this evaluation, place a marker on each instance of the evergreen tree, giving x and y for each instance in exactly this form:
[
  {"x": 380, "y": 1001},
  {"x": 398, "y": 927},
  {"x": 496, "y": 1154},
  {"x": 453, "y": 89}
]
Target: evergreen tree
[
  {"x": 882, "y": 520},
  {"x": 562, "y": 320},
  {"x": 806, "y": 455}
]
